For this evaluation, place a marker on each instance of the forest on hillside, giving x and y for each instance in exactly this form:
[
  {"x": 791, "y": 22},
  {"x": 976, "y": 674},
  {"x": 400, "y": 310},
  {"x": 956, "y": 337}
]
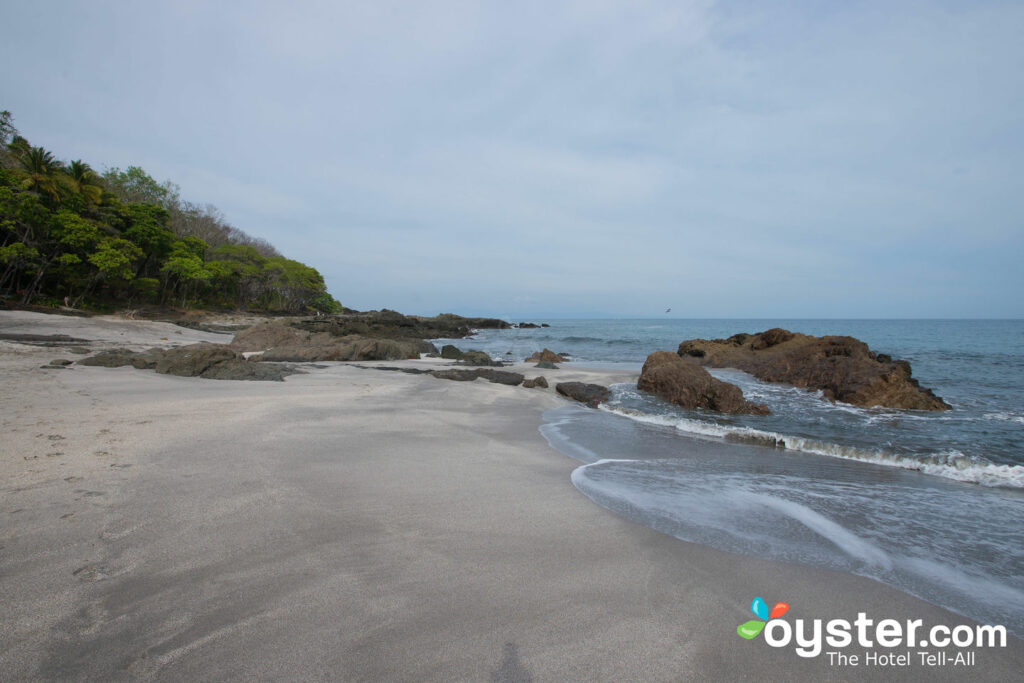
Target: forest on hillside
[{"x": 119, "y": 238}]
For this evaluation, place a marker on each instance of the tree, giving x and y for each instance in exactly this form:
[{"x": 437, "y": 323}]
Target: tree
[
  {"x": 135, "y": 186},
  {"x": 84, "y": 181},
  {"x": 41, "y": 172}
]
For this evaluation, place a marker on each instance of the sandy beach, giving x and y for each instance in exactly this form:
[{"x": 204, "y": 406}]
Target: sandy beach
[{"x": 355, "y": 524}]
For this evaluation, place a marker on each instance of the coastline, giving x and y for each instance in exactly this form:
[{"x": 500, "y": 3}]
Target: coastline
[{"x": 358, "y": 524}]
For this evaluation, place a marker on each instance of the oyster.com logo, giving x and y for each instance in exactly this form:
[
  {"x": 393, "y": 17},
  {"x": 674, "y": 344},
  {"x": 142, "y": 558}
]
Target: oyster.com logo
[{"x": 759, "y": 607}]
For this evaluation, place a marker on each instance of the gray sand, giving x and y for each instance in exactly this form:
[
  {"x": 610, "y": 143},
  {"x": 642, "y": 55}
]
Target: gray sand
[{"x": 354, "y": 524}]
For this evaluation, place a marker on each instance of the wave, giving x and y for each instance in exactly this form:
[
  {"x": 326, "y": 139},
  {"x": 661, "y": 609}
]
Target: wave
[
  {"x": 1005, "y": 417},
  {"x": 951, "y": 464}
]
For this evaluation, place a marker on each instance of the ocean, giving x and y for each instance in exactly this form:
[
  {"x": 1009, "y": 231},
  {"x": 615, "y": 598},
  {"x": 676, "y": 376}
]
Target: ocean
[{"x": 929, "y": 503}]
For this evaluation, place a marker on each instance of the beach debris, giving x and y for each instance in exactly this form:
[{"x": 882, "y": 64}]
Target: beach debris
[
  {"x": 843, "y": 368},
  {"x": 690, "y": 386}
]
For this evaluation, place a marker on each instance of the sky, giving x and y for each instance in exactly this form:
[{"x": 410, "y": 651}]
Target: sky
[{"x": 568, "y": 159}]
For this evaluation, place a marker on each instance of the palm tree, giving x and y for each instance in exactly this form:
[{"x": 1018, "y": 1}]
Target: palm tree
[
  {"x": 41, "y": 169},
  {"x": 84, "y": 180}
]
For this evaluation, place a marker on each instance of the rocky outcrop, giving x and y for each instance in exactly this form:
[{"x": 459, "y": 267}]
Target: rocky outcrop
[
  {"x": 547, "y": 355},
  {"x": 455, "y": 374},
  {"x": 591, "y": 394},
  {"x": 209, "y": 361},
  {"x": 477, "y": 358},
  {"x": 386, "y": 324},
  {"x": 193, "y": 360},
  {"x": 511, "y": 379},
  {"x": 357, "y": 349},
  {"x": 842, "y": 368},
  {"x": 690, "y": 386},
  {"x": 451, "y": 352},
  {"x": 536, "y": 383},
  {"x": 528, "y": 326}
]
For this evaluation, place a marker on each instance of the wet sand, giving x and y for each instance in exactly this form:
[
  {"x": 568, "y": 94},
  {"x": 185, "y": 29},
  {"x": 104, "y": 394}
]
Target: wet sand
[{"x": 355, "y": 524}]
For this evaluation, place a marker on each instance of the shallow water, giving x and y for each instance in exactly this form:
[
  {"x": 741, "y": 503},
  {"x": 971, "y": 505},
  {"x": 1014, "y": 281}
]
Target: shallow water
[{"x": 930, "y": 503}]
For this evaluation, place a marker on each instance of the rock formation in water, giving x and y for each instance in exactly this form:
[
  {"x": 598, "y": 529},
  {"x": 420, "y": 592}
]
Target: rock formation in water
[
  {"x": 690, "y": 386},
  {"x": 842, "y": 368}
]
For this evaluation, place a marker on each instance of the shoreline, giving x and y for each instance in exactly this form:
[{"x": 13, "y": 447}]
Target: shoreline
[{"x": 358, "y": 524}]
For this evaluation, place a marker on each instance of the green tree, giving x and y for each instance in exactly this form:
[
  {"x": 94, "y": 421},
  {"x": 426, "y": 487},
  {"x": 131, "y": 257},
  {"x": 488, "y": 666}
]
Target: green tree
[{"x": 42, "y": 172}]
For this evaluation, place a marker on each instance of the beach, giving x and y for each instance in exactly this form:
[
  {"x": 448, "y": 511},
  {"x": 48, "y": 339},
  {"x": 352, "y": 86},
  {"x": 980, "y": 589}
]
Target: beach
[{"x": 351, "y": 523}]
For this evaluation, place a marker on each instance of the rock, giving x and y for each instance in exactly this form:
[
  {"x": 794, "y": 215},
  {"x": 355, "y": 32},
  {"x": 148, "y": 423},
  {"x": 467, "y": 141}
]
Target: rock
[
  {"x": 842, "y": 368},
  {"x": 455, "y": 374},
  {"x": 61, "y": 362},
  {"x": 500, "y": 376},
  {"x": 690, "y": 386},
  {"x": 476, "y": 358},
  {"x": 527, "y": 326},
  {"x": 112, "y": 358},
  {"x": 545, "y": 325},
  {"x": 536, "y": 382},
  {"x": 450, "y": 351},
  {"x": 339, "y": 350},
  {"x": 546, "y": 365},
  {"x": 427, "y": 348},
  {"x": 241, "y": 369},
  {"x": 547, "y": 355},
  {"x": 591, "y": 394},
  {"x": 147, "y": 360},
  {"x": 79, "y": 350},
  {"x": 194, "y": 359}
]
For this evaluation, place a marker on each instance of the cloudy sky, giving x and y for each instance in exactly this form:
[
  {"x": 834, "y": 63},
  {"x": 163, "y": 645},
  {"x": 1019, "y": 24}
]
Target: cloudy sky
[{"x": 734, "y": 159}]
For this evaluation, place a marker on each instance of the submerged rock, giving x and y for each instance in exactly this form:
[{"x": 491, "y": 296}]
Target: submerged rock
[
  {"x": 842, "y": 368},
  {"x": 591, "y": 394},
  {"x": 690, "y": 386}
]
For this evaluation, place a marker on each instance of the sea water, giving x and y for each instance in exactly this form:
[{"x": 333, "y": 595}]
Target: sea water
[{"x": 930, "y": 503}]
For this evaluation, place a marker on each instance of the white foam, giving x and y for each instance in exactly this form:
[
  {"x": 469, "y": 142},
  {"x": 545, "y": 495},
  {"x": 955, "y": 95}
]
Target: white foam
[{"x": 950, "y": 464}]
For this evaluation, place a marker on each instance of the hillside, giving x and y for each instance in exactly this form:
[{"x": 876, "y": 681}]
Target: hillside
[{"x": 121, "y": 239}]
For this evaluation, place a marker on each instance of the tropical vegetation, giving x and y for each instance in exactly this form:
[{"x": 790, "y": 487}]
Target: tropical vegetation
[{"x": 121, "y": 239}]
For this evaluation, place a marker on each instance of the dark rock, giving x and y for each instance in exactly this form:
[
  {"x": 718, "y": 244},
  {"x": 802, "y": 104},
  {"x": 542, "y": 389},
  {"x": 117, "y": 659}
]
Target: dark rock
[
  {"x": 476, "y": 358},
  {"x": 527, "y": 326},
  {"x": 241, "y": 369},
  {"x": 450, "y": 351},
  {"x": 545, "y": 325},
  {"x": 690, "y": 386},
  {"x": 591, "y": 394},
  {"x": 536, "y": 382},
  {"x": 147, "y": 360},
  {"x": 61, "y": 362},
  {"x": 194, "y": 359},
  {"x": 427, "y": 347},
  {"x": 501, "y": 376},
  {"x": 842, "y": 368},
  {"x": 111, "y": 358},
  {"x": 546, "y": 365},
  {"x": 345, "y": 350},
  {"x": 547, "y": 355},
  {"x": 455, "y": 374}
]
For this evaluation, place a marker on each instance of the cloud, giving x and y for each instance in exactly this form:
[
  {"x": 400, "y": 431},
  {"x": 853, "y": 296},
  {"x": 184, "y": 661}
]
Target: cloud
[{"x": 570, "y": 158}]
